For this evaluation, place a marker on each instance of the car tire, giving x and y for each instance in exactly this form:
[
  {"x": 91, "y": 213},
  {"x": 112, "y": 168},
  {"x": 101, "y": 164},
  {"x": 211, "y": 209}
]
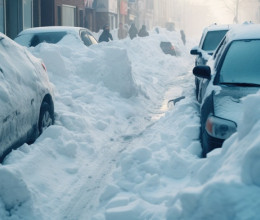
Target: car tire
[{"x": 46, "y": 118}]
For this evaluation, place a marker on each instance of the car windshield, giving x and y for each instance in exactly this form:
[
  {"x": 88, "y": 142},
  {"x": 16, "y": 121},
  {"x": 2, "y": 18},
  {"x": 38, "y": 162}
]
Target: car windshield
[
  {"x": 33, "y": 39},
  {"x": 241, "y": 64},
  {"x": 213, "y": 39}
]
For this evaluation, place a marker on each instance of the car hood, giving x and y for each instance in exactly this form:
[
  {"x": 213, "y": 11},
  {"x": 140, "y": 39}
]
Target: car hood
[{"x": 228, "y": 101}]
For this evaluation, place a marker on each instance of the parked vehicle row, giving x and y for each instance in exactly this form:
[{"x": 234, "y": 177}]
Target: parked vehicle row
[{"x": 231, "y": 74}]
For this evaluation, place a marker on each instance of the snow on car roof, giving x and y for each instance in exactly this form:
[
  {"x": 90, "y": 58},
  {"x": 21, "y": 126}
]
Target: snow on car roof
[
  {"x": 52, "y": 29},
  {"x": 216, "y": 27},
  {"x": 244, "y": 31}
]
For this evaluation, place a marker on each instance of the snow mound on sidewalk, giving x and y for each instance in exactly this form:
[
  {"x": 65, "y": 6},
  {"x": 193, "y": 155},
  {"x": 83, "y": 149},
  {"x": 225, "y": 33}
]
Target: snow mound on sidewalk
[
  {"x": 162, "y": 177},
  {"x": 154, "y": 169},
  {"x": 229, "y": 180},
  {"x": 14, "y": 195},
  {"x": 94, "y": 64}
]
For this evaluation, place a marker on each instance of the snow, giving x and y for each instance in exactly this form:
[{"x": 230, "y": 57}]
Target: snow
[{"x": 118, "y": 150}]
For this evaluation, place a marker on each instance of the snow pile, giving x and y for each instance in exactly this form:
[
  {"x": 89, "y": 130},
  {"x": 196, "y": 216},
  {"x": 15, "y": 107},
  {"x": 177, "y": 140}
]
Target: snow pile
[
  {"x": 226, "y": 186},
  {"x": 161, "y": 179},
  {"x": 95, "y": 65},
  {"x": 118, "y": 151}
]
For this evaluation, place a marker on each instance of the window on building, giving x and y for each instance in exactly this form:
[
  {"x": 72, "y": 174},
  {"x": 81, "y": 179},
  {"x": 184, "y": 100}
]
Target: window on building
[
  {"x": 2, "y": 16},
  {"x": 81, "y": 18},
  {"x": 27, "y": 13},
  {"x": 68, "y": 15},
  {"x": 59, "y": 15}
]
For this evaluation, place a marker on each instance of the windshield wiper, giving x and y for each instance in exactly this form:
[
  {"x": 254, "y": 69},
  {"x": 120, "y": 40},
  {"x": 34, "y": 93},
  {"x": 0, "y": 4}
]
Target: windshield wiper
[{"x": 241, "y": 84}]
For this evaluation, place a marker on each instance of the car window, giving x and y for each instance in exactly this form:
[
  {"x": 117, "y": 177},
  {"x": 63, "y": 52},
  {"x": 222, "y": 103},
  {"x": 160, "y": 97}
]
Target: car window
[
  {"x": 241, "y": 63},
  {"x": 218, "y": 52},
  {"x": 33, "y": 39},
  {"x": 93, "y": 40},
  {"x": 85, "y": 38},
  {"x": 212, "y": 40}
]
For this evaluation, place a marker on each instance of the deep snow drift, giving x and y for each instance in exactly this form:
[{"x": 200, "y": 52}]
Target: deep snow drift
[{"x": 116, "y": 152}]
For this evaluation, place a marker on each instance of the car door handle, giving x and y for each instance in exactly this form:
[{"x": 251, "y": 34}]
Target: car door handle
[{"x": 32, "y": 101}]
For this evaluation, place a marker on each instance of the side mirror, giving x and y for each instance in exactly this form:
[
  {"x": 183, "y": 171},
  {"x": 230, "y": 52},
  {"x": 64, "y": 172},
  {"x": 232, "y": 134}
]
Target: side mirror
[
  {"x": 195, "y": 51},
  {"x": 202, "y": 71}
]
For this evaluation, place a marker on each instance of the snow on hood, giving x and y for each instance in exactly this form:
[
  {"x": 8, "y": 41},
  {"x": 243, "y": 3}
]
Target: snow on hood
[{"x": 228, "y": 101}]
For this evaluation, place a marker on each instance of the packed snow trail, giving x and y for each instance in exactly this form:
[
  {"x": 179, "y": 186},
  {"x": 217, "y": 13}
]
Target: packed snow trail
[{"x": 86, "y": 202}]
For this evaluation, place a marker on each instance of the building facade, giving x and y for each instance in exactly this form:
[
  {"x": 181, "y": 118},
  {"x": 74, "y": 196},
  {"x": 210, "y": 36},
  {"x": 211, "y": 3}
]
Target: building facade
[
  {"x": 106, "y": 13},
  {"x": 61, "y": 12},
  {"x": 17, "y": 15},
  {"x": 2, "y": 16}
]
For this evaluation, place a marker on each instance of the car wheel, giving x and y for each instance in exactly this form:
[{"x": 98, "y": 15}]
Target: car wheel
[{"x": 46, "y": 118}]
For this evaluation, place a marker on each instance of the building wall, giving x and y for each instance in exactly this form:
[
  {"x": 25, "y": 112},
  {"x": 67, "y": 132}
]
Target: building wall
[
  {"x": 2, "y": 16},
  {"x": 79, "y": 10},
  {"x": 19, "y": 16},
  {"x": 47, "y": 13}
]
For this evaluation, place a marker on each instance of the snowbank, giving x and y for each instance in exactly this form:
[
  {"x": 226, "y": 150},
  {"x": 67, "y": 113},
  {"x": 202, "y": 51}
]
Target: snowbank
[{"x": 118, "y": 152}]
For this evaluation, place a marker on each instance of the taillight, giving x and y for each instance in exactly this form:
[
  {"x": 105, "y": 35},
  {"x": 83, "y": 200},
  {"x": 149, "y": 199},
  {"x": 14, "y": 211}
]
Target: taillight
[
  {"x": 172, "y": 47},
  {"x": 44, "y": 67}
]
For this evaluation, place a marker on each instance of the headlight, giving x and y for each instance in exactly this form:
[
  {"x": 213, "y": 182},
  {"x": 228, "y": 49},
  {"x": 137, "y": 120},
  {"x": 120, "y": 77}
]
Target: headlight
[{"x": 220, "y": 128}]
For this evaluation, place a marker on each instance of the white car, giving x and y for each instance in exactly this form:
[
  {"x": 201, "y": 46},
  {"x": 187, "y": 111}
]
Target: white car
[
  {"x": 209, "y": 41},
  {"x": 26, "y": 96},
  {"x": 33, "y": 36}
]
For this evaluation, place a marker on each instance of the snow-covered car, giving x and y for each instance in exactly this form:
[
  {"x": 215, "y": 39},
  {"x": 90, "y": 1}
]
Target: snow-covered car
[
  {"x": 210, "y": 39},
  {"x": 33, "y": 36},
  {"x": 232, "y": 74},
  {"x": 26, "y": 96},
  {"x": 168, "y": 48}
]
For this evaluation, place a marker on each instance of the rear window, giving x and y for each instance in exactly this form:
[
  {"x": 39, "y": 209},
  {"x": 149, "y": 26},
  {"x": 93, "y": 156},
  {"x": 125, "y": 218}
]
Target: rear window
[
  {"x": 33, "y": 39},
  {"x": 213, "y": 39}
]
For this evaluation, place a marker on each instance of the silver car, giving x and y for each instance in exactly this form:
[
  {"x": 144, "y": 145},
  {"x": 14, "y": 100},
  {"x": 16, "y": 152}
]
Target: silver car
[
  {"x": 33, "y": 36},
  {"x": 26, "y": 96}
]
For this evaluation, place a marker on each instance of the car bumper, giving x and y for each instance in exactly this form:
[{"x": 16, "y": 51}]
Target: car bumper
[{"x": 210, "y": 143}]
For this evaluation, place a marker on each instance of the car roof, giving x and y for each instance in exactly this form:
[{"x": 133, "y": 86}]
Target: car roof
[
  {"x": 53, "y": 29},
  {"x": 244, "y": 31},
  {"x": 215, "y": 27}
]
